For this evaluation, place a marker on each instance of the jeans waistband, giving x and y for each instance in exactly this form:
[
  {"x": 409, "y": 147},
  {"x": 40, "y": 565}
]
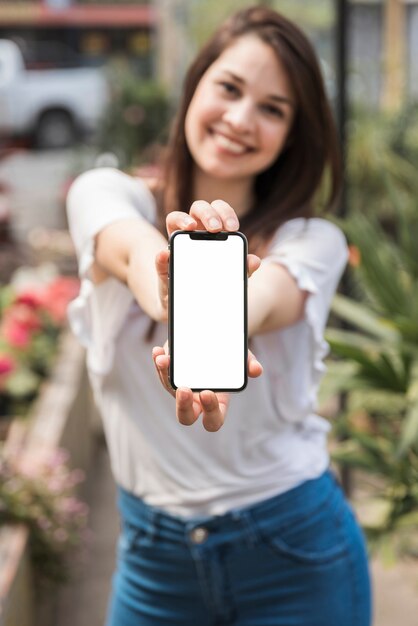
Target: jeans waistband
[{"x": 137, "y": 513}]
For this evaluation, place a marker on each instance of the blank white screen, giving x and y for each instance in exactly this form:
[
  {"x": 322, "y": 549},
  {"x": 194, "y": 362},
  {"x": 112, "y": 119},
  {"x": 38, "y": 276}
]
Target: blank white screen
[{"x": 208, "y": 310}]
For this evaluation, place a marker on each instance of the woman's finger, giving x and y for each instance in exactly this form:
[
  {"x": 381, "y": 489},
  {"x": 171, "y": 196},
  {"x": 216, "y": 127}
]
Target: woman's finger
[
  {"x": 179, "y": 220},
  {"x": 255, "y": 368},
  {"x": 162, "y": 363},
  {"x": 187, "y": 410},
  {"x": 215, "y": 216},
  {"x": 253, "y": 263},
  {"x": 213, "y": 409},
  {"x": 161, "y": 265},
  {"x": 227, "y": 214}
]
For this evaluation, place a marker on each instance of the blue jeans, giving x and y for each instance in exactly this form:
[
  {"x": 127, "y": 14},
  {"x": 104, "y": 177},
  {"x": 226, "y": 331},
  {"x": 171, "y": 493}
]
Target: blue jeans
[{"x": 297, "y": 559}]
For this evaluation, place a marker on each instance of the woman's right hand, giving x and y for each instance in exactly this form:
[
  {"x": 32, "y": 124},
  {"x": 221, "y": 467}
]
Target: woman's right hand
[{"x": 212, "y": 406}]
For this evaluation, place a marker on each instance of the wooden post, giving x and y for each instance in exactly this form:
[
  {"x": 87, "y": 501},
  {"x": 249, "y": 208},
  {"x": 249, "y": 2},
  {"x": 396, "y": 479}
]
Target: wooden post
[{"x": 394, "y": 55}]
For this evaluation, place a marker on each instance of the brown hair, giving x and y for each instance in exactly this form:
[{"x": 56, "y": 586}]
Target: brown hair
[{"x": 287, "y": 188}]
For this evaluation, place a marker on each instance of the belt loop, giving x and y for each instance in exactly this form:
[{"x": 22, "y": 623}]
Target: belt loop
[
  {"x": 152, "y": 524},
  {"x": 247, "y": 521}
]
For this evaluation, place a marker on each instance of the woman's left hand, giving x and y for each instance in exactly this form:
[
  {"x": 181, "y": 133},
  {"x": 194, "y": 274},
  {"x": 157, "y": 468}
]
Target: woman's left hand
[{"x": 213, "y": 406}]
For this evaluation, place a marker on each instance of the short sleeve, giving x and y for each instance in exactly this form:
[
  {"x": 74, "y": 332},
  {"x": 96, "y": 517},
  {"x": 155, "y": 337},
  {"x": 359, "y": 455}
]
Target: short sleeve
[
  {"x": 315, "y": 253},
  {"x": 96, "y": 199}
]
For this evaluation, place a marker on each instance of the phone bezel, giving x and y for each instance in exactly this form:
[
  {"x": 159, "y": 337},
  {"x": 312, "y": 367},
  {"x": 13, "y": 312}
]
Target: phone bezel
[{"x": 205, "y": 235}]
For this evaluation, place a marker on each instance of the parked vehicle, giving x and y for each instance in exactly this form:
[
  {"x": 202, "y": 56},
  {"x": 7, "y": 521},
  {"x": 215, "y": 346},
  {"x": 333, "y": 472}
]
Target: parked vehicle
[{"x": 54, "y": 105}]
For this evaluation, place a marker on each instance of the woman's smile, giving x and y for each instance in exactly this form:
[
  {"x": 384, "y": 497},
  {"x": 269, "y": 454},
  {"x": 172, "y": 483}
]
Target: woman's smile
[{"x": 227, "y": 144}]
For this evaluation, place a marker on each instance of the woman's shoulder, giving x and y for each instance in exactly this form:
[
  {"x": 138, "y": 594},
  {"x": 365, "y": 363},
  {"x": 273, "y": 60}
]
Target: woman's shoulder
[
  {"x": 112, "y": 179},
  {"x": 102, "y": 186},
  {"x": 305, "y": 230}
]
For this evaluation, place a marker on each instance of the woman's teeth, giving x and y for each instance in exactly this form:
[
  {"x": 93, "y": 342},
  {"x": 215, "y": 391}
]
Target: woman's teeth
[{"x": 229, "y": 144}]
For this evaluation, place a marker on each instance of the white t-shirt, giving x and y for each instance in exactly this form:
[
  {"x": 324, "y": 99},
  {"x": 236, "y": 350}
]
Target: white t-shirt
[{"x": 272, "y": 439}]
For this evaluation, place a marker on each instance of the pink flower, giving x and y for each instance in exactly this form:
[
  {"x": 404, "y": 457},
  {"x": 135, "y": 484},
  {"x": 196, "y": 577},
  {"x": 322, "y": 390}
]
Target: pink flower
[
  {"x": 19, "y": 323},
  {"x": 60, "y": 535},
  {"x": 16, "y": 334},
  {"x": 7, "y": 365},
  {"x": 57, "y": 296}
]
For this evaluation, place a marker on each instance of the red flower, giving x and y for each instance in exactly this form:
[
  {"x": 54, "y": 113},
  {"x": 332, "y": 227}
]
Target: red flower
[
  {"x": 57, "y": 296},
  {"x": 19, "y": 323},
  {"x": 31, "y": 298},
  {"x": 7, "y": 364},
  {"x": 16, "y": 334}
]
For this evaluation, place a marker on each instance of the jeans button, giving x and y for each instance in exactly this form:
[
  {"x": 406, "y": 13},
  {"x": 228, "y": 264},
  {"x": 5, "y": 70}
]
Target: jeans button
[{"x": 199, "y": 535}]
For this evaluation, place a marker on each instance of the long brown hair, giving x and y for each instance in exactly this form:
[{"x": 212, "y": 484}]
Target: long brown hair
[{"x": 287, "y": 188}]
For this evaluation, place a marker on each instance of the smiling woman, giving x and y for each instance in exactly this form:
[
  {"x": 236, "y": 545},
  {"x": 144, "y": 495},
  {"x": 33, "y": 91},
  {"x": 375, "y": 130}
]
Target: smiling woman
[{"x": 234, "y": 519}]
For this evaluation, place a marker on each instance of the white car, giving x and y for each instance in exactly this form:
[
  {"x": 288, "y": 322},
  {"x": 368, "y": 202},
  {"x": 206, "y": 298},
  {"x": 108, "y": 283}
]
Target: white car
[{"x": 53, "y": 105}]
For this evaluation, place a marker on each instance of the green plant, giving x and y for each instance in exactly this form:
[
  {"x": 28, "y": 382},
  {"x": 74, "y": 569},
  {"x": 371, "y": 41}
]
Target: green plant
[
  {"x": 378, "y": 370},
  {"x": 381, "y": 160},
  {"x": 136, "y": 119}
]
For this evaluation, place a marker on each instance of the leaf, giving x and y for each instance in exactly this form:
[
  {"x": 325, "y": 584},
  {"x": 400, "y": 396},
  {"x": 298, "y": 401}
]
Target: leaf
[
  {"x": 340, "y": 376},
  {"x": 387, "y": 366},
  {"x": 409, "y": 434},
  {"x": 337, "y": 336},
  {"x": 409, "y": 519},
  {"x": 361, "y": 316},
  {"x": 387, "y": 550},
  {"x": 350, "y": 455},
  {"x": 374, "y": 513},
  {"x": 22, "y": 383},
  {"x": 7, "y": 295},
  {"x": 381, "y": 264}
]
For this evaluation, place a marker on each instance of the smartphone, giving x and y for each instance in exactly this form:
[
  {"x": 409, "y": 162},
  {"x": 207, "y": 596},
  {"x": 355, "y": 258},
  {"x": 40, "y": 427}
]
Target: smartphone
[{"x": 208, "y": 310}]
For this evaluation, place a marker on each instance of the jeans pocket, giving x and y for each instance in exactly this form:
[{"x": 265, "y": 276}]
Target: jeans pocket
[
  {"x": 313, "y": 537},
  {"x": 129, "y": 538}
]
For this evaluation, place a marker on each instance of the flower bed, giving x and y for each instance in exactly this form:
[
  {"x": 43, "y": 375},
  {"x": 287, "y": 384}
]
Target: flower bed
[
  {"x": 32, "y": 314},
  {"x": 42, "y": 379}
]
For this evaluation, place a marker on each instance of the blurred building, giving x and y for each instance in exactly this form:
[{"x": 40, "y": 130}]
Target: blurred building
[
  {"x": 155, "y": 36},
  {"x": 94, "y": 31},
  {"x": 383, "y": 40}
]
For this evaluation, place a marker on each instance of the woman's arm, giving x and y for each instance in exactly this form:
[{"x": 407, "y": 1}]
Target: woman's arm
[
  {"x": 114, "y": 212},
  {"x": 274, "y": 299},
  {"x": 127, "y": 251}
]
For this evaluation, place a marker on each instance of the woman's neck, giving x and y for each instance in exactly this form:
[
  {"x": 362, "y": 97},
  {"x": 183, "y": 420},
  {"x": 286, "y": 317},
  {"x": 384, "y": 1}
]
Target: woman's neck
[{"x": 238, "y": 193}]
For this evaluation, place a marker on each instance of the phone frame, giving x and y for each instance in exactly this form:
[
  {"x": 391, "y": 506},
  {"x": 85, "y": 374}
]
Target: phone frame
[{"x": 205, "y": 235}]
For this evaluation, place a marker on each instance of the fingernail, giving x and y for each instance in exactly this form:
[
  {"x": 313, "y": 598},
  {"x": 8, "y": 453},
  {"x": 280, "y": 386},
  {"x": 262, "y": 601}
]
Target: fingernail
[
  {"x": 214, "y": 223},
  {"x": 187, "y": 221},
  {"x": 232, "y": 223}
]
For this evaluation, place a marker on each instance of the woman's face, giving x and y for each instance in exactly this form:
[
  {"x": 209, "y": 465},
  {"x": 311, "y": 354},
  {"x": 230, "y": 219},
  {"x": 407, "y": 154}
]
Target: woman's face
[{"x": 241, "y": 113}]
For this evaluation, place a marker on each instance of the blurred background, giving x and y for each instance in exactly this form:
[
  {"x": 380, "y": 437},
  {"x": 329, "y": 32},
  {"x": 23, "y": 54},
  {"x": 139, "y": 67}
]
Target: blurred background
[{"x": 87, "y": 83}]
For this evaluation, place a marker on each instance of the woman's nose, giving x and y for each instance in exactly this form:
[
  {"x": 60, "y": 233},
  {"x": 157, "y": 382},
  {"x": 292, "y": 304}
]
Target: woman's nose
[{"x": 240, "y": 115}]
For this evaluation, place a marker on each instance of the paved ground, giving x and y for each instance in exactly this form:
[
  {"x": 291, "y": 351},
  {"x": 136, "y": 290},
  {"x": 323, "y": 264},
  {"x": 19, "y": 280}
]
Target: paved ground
[
  {"x": 84, "y": 602},
  {"x": 37, "y": 183}
]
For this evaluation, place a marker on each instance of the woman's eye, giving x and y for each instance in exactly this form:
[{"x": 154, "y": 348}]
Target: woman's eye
[
  {"x": 270, "y": 109},
  {"x": 229, "y": 88}
]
